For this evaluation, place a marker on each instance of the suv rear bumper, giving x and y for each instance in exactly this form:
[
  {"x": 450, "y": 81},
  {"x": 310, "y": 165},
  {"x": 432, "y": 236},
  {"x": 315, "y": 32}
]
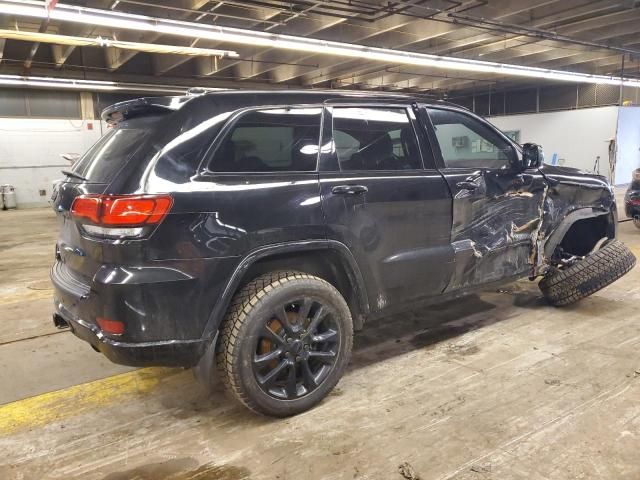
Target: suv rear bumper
[
  {"x": 170, "y": 353},
  {"x": 77, "y": 305}
]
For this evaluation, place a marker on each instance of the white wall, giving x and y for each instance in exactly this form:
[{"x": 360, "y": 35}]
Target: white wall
[
  {"x": 628, "y": 138},
  {"x": 576, "y": 136},
  {"x": 30, "y": 153}
]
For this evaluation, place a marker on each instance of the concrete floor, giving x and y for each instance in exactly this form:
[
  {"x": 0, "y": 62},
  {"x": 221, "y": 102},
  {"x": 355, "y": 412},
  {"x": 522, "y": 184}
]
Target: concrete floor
[{"x": 495, "y": 386}]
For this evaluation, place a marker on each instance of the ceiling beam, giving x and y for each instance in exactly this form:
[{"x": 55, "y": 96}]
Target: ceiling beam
[
  {"x": 35, "y": 45},
  {"x": 116, "y": 58},
  {"x": 334, "y": 29},
  {"x": 207, "y": 66},
  {"x": 268, "y": 59},
  {"x": 412, "y": 33},
  {"x": 512, "y": 47},
  {"x": 61, "y": 53},
  {"x": 534, "y": 53}
]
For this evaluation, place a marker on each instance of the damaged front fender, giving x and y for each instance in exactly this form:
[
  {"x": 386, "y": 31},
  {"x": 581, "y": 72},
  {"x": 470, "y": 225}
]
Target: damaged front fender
[
  {"x": 573, "y": 198},
  {"x": 510, "y": 223}
]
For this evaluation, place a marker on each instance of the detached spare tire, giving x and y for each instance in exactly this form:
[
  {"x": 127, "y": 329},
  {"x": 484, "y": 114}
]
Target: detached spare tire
[{"x": 596, "y": 271}]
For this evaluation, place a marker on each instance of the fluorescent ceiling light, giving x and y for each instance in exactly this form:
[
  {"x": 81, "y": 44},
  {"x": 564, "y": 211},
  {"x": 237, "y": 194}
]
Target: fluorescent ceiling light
[
  {"x": 90, "y": 85},
  {"x": 120, "y": 20},
  {"x": 52, "y": 82}
]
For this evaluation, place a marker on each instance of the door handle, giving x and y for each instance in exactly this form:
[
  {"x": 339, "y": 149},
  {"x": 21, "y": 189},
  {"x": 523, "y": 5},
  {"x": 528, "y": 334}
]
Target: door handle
[
  {"x": 349, "y": 189},
  {"x": 467, "y": 185}
]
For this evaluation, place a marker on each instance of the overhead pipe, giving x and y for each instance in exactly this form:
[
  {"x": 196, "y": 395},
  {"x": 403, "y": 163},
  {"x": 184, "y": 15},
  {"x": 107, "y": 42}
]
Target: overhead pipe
[{"x": 41, "y": 37}]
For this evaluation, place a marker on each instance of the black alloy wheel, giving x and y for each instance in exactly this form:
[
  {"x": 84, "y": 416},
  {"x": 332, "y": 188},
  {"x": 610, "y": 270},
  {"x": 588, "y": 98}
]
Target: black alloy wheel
[
  {"x": 285, "y": 342},
  {"x": 296, "y": 349}
]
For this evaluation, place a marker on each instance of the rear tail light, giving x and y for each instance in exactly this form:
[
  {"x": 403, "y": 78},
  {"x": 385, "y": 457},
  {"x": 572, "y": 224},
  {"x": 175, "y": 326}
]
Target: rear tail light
[
  {"x": 118, "y": 216},
  {"x": 112, "y": 327}
]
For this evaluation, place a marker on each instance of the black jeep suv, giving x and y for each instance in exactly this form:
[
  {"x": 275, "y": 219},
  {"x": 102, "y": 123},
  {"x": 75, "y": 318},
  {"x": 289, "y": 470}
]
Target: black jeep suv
[{"x": 251, "y": 233}]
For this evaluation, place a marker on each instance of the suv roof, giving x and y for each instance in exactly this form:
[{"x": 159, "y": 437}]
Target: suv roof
[{"x": 244, "y": 98}]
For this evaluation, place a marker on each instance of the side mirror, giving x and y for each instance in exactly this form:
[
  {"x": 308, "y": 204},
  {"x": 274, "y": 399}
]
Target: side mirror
[{"x": 532, "y": 156}]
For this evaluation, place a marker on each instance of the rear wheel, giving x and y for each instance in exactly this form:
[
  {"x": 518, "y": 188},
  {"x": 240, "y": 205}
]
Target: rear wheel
[
  {"x": 587, "y": 276},
  {"x": 285, "y": 342}
]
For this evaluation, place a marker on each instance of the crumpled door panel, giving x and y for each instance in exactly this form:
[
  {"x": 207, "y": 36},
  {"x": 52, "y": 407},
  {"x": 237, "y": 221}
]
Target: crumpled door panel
[{"x": 496, "y": 220}]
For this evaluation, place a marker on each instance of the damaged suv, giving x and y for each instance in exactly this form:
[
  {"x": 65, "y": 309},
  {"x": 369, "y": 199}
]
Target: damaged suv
[{"x": 250, "y": 233}]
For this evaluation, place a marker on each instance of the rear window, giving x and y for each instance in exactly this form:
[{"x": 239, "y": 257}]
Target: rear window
[
  {"x": 108, "y": 155},
  {"x": 271, "y": 140}
]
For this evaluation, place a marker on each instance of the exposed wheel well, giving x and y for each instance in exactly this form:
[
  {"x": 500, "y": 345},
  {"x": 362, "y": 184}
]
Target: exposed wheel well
[
  {"x": 326, "y": 264},
  {"x": 584, "y": 234}
]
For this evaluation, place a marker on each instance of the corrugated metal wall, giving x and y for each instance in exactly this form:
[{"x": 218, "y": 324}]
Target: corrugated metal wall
[{"x": 546, "y": 99}]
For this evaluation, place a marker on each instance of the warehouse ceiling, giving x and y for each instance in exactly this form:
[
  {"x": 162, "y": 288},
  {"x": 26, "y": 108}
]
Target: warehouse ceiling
[{"x": 589, "y": 36}]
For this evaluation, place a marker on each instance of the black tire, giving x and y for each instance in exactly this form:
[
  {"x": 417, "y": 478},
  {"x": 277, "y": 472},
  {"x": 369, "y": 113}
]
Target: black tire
[
  {"x": 289, "y": 312},
  {"x": 636, "y": 221},
  {"x": 596, "y": 271}
]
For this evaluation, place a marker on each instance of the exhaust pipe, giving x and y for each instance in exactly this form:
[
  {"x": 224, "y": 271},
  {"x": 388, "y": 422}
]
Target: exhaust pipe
[{"x": 59, "y": 322}]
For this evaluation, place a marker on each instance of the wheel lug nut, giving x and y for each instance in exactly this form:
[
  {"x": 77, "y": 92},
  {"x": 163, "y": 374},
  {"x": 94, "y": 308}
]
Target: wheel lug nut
[{"x": 289, "y": 340}]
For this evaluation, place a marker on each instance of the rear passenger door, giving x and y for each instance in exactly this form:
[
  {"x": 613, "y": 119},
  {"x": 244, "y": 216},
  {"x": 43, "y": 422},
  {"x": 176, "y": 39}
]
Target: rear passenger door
[
  {"x": 260, "y": 185},
  {"x": 379, "y": 200}
]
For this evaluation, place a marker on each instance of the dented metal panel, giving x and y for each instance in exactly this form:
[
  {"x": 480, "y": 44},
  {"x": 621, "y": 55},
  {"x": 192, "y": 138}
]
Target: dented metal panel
[
  {"x": 496, "y": 220},
  {"x": 572, "y": 195},
  {"x": 511, "y": 223}
]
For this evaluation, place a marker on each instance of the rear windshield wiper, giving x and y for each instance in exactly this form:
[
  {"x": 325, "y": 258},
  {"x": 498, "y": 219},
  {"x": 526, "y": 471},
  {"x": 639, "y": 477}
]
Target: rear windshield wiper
[{"x": 69, "y": 173}]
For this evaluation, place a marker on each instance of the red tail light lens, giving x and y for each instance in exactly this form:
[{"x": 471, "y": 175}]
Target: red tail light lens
[
  {"x": 113, "y": 327},
  {"x": 87, "y": 207},
  {"x": 122, "y": 210}
]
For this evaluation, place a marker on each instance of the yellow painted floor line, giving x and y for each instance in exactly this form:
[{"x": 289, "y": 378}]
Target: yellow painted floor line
[{"x": 60, "y": 404}]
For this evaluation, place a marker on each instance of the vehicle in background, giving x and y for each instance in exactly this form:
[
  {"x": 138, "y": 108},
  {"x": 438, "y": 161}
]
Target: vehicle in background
[
  {"x": 250, "y": 233},
  {"x": 632, "y": 198}
]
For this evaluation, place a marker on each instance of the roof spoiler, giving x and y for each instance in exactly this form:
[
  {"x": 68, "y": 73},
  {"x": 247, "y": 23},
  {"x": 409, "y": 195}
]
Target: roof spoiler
[{"x": 142, "y": 107}]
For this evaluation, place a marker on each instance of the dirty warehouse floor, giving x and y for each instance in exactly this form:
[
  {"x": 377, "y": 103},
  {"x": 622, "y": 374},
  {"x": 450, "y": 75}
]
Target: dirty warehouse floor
[{"x": 494, "y": 386}]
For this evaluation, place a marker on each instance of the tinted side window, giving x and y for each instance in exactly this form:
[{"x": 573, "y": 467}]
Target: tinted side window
[
  {"x": 466, "y": 142},
  {"x": 374, "y": 139},
  {"x": 271, "y": 140}
]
